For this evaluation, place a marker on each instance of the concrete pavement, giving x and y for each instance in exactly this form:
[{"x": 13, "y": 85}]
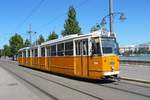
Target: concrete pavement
[
  {"x": 12, "y": 89},
  {"x": 135, "y": 72}
]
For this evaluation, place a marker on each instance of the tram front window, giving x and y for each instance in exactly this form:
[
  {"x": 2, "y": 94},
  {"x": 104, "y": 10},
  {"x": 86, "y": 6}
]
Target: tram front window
[{"x": 109, "y": 46}]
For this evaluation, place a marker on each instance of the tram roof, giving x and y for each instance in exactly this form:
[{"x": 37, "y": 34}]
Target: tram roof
[
  {"x": 99, "y": 33},
  {"x": 26, "y": 48}
]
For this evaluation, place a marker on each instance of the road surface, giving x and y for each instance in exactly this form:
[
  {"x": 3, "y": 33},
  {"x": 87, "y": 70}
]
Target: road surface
[
  {"x": 46, "y": 86},
  {"x": 139, "y": 72}
]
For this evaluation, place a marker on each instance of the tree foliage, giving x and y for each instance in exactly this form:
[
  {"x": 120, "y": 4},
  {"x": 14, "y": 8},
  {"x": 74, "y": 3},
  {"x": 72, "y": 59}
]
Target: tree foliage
[
  {"x": 95, "y": 28},
  {"x": 40, "y": 39},
  {"x": 52, "y": 36},
  {"x": 7, "y": 51},
  {"x": 27, "y": 43},
  {"x": 1, "y": 52},
  {"x": 71, "y": 25},
  {"x": 15, "y": 42}
]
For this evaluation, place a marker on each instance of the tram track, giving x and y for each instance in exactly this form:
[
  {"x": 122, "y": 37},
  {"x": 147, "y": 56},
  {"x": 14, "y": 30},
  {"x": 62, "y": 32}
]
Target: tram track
[
  {"x": 111, "y": 86},
  {"x": 46, "y": 93},
  {"x": 135, "y": 80},
  {"x": 59, "y": 83},
  {"x": 124, "y": 90},
  {"x": 107, "y": 87},
  {"x": 134, "y": 84}
]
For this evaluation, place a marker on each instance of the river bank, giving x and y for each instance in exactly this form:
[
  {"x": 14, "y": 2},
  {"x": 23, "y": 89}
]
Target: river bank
[{"x": 142, "y": 60}]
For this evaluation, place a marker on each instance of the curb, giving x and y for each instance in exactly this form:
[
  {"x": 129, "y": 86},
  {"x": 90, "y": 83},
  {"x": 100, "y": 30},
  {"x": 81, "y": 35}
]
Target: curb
[{"x": 135, "y": 80}]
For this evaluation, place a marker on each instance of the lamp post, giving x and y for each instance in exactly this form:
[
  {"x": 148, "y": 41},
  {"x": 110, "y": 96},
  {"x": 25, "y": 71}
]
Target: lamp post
[{"x": 111, "y": 15}]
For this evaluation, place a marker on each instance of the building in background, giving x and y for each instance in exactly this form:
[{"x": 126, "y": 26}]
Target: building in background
[
  {"x": 136, "y": 49},
  {"x": 127, "y": 48}
]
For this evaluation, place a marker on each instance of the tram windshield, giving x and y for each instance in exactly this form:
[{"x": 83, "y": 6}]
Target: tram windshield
[{"x": 109, "y": 46}]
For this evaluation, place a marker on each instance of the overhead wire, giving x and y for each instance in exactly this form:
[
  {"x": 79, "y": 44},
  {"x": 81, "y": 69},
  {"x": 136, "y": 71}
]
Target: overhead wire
[
  {"x": 35, "y": 9},
  {"x": 60, "y": 16}
]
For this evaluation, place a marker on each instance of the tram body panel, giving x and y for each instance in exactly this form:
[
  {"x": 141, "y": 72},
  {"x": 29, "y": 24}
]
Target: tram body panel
[
  {"x": 64, "y": 65},
  {"x": 41, "y": 63},
  {"x": 95, "y": 67},
  {"x": 86, "y": 67},
  {"x": 20, "y": 61},
  {"x": 35, "y": 62},
  {"x": 110, "y": 65},
  {"x": 28, "y": 62}
]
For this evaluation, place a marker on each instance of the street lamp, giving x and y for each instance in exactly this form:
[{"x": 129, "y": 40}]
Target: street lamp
[
  {"x": 122, "y": 17},
  {"x": 111, "y": 15}
]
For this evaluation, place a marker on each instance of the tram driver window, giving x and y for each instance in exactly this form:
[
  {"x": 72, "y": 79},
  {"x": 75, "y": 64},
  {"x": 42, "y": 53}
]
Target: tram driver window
[{"x": 95, "y": 46}]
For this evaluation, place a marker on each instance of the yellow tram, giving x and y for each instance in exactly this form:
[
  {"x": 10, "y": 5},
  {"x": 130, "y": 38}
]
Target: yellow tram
[{"x": 93, "y": 56}]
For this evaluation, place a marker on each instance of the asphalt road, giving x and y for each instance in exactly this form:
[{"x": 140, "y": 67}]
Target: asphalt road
[{"x": 48, "y": 86}]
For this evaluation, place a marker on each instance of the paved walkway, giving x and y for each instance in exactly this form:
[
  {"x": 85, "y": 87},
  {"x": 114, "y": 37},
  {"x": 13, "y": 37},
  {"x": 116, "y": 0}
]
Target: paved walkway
[
  {"x": 138, "y": 72},
  {"x": 12, "y": 89}
]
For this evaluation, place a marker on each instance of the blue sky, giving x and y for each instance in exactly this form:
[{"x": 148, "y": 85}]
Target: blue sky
[{"x": 51, "y": 15}]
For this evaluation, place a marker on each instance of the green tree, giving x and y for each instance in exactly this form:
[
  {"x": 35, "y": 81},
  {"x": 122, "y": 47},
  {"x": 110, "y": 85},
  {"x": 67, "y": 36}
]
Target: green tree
[
  {"x": 71, "y": 25},
  {"x": 15, "y": 42},
  {"x": 1, "y": 52},
  {"x": 95, "y": 28},
  {"x": 7, "y": 51},
  {"x": 52, "y": 36},
  {"x": 27, "y": 43},
  {"x": 40, "y": 39}
]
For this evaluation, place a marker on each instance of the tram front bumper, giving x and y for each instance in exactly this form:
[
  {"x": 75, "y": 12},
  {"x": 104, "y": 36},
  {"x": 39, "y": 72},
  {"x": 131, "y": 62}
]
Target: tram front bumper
[{"x": 111, "y": 73}]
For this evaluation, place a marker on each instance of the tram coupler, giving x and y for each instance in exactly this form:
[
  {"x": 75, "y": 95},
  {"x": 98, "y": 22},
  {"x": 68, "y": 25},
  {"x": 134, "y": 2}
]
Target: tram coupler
[{"x": 115, "y": 78}]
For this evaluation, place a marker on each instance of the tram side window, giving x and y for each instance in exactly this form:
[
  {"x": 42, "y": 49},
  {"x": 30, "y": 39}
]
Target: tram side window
[
  {"x": 85, "y": 47},
  {"x": 53, "y": 50},
  {"x": 42, "y": 52},
  {"x": 78, "y": 48},
  {"x": 36, "y": 53},
  {"x": 24, "y": 54},
  {"x": 48, "y": 51},
  {"x": 20, "y": 54},
  {"x": 82, "y": 47},
  {"x": 69, "y": 48},
  {"x": 60, "y": 51},
  {"x": 28, "y": 53},
  {"x": 32, "y": 53}
]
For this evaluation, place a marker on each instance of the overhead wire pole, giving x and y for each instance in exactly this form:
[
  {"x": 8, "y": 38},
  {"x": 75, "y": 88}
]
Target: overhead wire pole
[
  {"x": 111, "y": 16},
  {"x": 30, "y": 34}
]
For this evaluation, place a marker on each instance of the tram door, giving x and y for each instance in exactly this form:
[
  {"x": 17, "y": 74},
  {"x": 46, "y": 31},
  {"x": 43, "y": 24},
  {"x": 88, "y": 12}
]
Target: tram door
[{"x": 82, "y": 54}]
